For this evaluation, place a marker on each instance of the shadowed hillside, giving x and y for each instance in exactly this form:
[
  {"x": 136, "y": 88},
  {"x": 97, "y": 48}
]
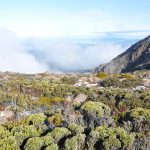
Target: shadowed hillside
[{"x": 137, "y": 57}]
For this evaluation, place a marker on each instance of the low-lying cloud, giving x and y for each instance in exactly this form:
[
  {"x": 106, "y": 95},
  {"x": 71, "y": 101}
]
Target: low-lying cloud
[
  {"x": 67, "y": 56},
  {"x": 14, "y": 57},
  {"x": 55, "y": 55}
]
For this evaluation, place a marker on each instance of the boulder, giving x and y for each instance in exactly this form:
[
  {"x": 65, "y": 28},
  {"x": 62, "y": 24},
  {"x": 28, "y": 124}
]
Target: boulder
[
  {"x": 147, "y": 83},
  {"x": 93, "y": 79},
  {"x": 80, "y": 98},
  {"x": 5, "y": 115}
]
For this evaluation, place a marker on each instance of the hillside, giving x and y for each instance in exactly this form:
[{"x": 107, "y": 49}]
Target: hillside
[
  {"x": 137, "y": 57},
  {"x": 48, "y": 111}
]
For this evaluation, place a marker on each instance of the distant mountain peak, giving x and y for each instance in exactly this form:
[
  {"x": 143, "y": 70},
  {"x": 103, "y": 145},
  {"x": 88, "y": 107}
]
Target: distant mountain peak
[{"x": 136, "y": 57}]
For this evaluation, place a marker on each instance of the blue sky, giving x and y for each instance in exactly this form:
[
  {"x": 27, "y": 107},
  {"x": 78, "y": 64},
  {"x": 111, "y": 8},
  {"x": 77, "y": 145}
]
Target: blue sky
[
  {"x": 68, "y": 35},
  {"x": 73, "y": 17}
]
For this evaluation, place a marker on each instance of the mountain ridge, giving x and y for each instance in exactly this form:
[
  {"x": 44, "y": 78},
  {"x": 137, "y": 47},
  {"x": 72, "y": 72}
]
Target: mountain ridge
[{"x": 136, "y": 57}]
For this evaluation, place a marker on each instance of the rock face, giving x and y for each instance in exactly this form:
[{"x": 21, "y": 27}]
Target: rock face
[{"x": 137, "y": 57}]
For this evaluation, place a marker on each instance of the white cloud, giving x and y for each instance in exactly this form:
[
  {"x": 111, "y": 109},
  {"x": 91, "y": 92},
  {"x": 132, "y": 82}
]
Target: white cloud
[
  {"x": 71, "y": 56},
  {"x": 57, "y": 54},
  {"x": 14, "y": 57}
]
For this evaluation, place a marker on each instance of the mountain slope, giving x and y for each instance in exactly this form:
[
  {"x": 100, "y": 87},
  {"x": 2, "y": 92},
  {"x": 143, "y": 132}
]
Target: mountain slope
[{"x": 137, "y": 57}]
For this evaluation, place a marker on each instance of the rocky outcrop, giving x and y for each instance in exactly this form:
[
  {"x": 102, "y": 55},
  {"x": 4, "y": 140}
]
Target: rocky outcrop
[
  {"x": 80, "y": 98},
  {"x": 5, "y": 115},
  {"x": 147, "y": 83},
  {"x": 137, "y": 57}
]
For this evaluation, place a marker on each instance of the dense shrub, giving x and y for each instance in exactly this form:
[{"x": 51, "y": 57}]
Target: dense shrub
[
  {"x": 115, "y": 138},
  {"x": 102, "y": 75},
  {"x": 140, "y": 112},
  {"x": 47, "y": 117},
  {"x": 23, "y": 132},
  {"x": 76, "y": 129},
  {"x": 122, "y": 81},
  {"x": 59, "y": 133},
  {"x": 68, "y": 80},
  {"x": 76, "y": 142},
  {"x": 56, "y": 119},
  {"x": 97, "y": 108}
]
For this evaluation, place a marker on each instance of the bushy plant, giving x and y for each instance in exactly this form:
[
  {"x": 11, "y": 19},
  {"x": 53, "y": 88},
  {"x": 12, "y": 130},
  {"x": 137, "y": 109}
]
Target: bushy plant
[
  {"x": 97, "y": 108},
  {"x": 76, "y": 142},
  {"x": 34, "y": 143},
  {"x": 140, "y": 112},
  {"x": 102, "y": 75},
  {"x": 56, "y": 119},
  {"x": 39, "y": 142},
  {"x": 52, "y": 147},
  {"x": 76, "y": 129},
  {"x": 59, "y": 133},
  {"x": 92, "y": 139},
  {"x": 35, "y": 119},
  {"x": 24, "y": 131},
  {"x": 9, "y": 143},
  {"x": 68, "y": 80},
  {"x": 115, "y": 138}
]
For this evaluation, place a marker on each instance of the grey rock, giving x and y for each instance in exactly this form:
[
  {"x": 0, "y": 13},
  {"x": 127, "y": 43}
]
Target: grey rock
[
  {"x": 4, "y": 115},
  {"x": 80, "y": 98},
  {"x": 92, "y": 121},
  {"x": 147, "y": 83}
]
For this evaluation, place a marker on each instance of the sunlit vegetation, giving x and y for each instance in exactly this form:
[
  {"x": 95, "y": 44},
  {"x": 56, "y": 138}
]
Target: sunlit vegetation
[
  {"x": 98, "y": 108},
  {"x": 39, "y": 112},
  {"x": 121, "y": 81},
  {"x": 102, "y": 75}
]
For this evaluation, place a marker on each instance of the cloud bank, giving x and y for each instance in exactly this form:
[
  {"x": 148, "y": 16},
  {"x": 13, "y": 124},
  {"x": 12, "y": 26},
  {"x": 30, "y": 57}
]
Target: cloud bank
[
  {"x": 66, "y": 56},
  {"x": 33, "y": 55},
  {"x": 14, "y": 57}
]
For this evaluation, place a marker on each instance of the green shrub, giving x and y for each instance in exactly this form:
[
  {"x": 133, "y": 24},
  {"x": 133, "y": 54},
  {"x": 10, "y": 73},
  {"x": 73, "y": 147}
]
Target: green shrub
[
  {"x": 9, "y": 143},
  {"x": 98, "y": 108},
  {"x": 45, "y": 101},
  {"x": 24, "y": 131},
  {"x": 77, "y": 129},
  {"x": 68, "y": 80},
  {"x": 115, "y": 138},
  {"x": 140, "y": 112},
  {"x": 52, "y": 147},
  {"x": 59, "y": 133},
  {"x": 76, "y": 104},
  {"x": 126, "y": 81},
  {"x": 4, "y": 133},
  {"x": 75, "y": 143},
  {"x": 39, "y": 142},
  {"x": 34, "y": 144},
  {"x": 56, "y": 119},
  {"x": 35, "y": 119},
  {"x": 92, "y": 138},
  {"x": 102, "y": 75}
]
